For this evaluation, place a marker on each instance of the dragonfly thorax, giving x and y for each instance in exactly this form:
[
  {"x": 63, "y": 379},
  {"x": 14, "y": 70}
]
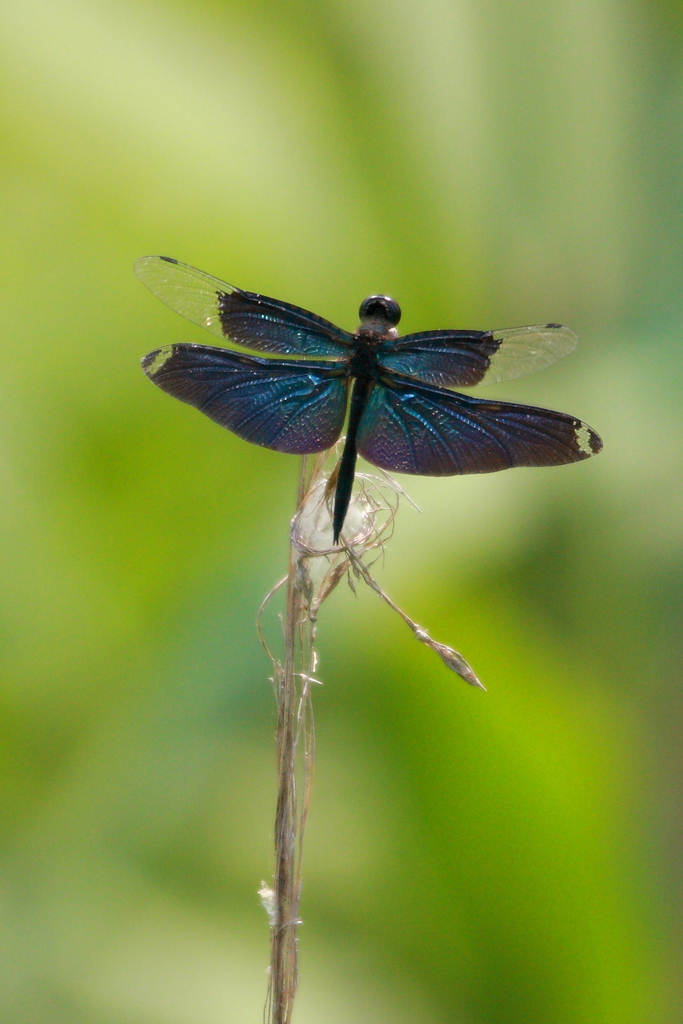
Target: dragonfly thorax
[{"x": 364, "y": 362}]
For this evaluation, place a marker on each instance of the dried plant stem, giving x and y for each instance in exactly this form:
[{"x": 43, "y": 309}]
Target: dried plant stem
[
  {"x": 448, "y": 655},
  {"x": 316, "y": 567},
  {"x": 295, "y": 753}
]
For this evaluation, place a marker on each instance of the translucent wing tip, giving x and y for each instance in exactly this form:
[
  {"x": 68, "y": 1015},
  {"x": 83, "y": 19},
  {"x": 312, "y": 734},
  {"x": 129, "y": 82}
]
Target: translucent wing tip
[
  {"x": 561, "y": 338},
  {"x": 523, "y": 350},
  {"x": 190, "y": 292},
  {"x": 146, "y": 266},
  {"x": 564, "y": 339}
]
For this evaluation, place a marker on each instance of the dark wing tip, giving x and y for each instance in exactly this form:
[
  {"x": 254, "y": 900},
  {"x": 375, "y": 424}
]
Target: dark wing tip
[
  {"x": 154, "y": 361},
  {"x": 167, "y": 259},
  {"x": 587, "y": 440},
  {"x": 553, "y": 326}
]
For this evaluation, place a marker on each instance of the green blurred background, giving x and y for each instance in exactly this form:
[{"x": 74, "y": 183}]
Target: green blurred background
[{"x": 472, "y": 858}]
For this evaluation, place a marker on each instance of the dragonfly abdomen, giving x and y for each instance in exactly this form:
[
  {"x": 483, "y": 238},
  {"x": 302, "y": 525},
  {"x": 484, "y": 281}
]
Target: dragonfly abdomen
[{"x": 362, "y": 386}]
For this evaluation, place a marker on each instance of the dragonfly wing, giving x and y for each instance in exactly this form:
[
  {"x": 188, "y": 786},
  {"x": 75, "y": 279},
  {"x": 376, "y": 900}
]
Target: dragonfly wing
[
  {"x": 414, "y": 428},
  {"x": 289, "y": 406},
  {"x": 466, "y": 358},
  {"x": 250, "y": 320}
]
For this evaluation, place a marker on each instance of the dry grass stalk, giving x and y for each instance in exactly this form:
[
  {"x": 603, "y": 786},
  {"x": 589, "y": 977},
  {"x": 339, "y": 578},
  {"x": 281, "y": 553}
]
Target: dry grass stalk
[
  {"x": 295, "y": 745},
  {"x": 316, "y": 567}
]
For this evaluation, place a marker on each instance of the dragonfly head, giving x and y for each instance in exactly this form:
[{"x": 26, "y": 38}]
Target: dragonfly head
[{"x": 379, "y": 314}]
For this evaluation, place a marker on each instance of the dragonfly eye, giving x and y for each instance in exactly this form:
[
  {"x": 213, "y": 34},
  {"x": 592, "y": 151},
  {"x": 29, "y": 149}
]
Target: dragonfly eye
[{"x": 380, "y": 307}]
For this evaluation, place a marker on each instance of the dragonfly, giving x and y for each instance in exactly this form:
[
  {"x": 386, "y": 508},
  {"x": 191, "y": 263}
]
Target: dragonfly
[{"x": 402, "y": 414}]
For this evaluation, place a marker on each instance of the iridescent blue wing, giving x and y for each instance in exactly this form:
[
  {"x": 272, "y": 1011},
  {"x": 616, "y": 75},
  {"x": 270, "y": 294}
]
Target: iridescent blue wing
[
  {"x": 466, "y": 358},
  {"x": 296, "y": 407},
  {"x": 252, "y": 321},
  {"x": 414, "y": 428}
]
